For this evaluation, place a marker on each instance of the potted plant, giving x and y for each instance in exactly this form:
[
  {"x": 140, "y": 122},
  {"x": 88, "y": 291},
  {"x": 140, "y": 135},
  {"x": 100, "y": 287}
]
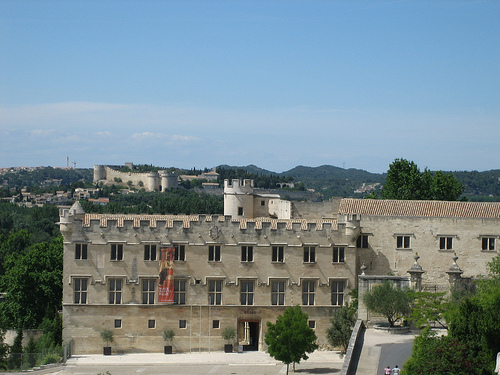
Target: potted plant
[
  {"x": 228, "y": 334},
  {"x": 107, "y": 335},
  {"x": 168, "y": 336}
]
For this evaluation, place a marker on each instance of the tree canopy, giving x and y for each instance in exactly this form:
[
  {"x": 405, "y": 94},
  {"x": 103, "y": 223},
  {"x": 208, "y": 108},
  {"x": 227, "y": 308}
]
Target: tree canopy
[
  {"x": 32, "y": 283},
  {"x": 388, "y": 300},
  {"x": 405, "y": 181},
  {"x": 290, "y": 338},
  {"x": 343, "y": 321},
  {"x": 473, "y": 338}
]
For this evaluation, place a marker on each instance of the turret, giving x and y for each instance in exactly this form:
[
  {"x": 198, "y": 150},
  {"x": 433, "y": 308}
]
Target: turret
[
  {"x": 238, "y": 198},
  {"x": 168, "y": 180},
  {"x": 151, "y": 181},
  {"x": 99, "y": 172}
]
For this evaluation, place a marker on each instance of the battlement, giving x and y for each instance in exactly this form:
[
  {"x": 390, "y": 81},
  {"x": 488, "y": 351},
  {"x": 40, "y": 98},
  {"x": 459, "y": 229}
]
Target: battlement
[
  {"x": 237, "y": 186},
  {"x": 191, "y": 221}
]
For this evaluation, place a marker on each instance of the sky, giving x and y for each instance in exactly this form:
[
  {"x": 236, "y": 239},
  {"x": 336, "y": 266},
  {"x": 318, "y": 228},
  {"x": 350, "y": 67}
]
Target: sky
[{"x": 277, "y": 84}]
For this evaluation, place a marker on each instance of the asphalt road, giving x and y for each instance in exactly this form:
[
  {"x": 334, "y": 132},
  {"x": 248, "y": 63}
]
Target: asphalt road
[
  {"x": 195, "y": 369},
  {"x": 394, "y": 354}
]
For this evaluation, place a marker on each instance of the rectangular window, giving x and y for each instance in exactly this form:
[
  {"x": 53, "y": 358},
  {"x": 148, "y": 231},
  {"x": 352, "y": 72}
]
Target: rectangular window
[
  {"x": 180, "y": 252},
  {"x": 247, "y": 253},
  {"x": 362, "y": 242},
  {"x": 179, "y": 292},
  {"x": 445, "y": 243},
  {"x": 278, "y": 254},
  {"x": 216, "y": 324},
  {"x": 148, "y": 292},
  {"x": 118, "y": 323},
  {"x": 312, "y": 324},
  {"x": 81, "y": 251},
  {"x": 277, "y": 293},
  {"x": 338, "y": 254},
  {"x": 240, "y": 211},
  {"x": 246, "y": 292},
  {"x": 80, "y": 291},
  {"x": 151, "y": 323},
  {"x": 309, "y": 254},
  {"x": 403, "y": 242},
  {"x": 214, "y": 253},
  {"x": 338, "y": 293},
  {"x": 488, "y": 243},
  {"x": 116, "y": 251},
  {"x": 115, "y": 291},
  {"x": 308, "y": 292},
  {"x": 215, "y": 292},
  {"x": 149, "y": 252},
  {"x": 182, "y": 323}
]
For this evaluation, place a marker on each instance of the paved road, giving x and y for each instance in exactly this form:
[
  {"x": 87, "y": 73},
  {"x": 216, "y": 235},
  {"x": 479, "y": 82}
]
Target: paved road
[
  {"x": 394, "y": 354},
  {"x": 247, "y": 363}
]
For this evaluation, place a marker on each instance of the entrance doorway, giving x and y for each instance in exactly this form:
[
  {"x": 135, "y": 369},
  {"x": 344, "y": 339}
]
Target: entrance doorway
[{"x": 248, "y": 334}]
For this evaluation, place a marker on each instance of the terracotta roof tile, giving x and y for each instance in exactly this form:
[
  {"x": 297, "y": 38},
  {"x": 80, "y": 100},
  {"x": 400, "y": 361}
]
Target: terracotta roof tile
[{"x": 381, "y": 207}]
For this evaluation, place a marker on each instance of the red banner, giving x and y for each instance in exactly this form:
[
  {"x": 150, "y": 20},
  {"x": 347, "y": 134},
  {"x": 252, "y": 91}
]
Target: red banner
[{"x": 166, "y": 282}]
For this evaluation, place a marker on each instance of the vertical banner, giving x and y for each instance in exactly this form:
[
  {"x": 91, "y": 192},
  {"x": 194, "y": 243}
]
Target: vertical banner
[{"x": 166, "y": 282}]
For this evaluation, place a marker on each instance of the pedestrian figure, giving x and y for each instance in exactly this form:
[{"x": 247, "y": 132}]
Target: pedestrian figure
[
  {"x": 387, "y": 371},
  {"x": 396, "y": 370}
]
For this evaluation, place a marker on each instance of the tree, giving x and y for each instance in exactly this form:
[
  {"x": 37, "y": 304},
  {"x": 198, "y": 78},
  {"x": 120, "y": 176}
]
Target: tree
[
  {"x": 428, "y": 308},
  {"x": 343, "y": 321},
  {"x": 389, "y": 301},
  {"x": 445, "y": 187},
  {"x": 405, "y": 181},
  {"x": 32, "y": 282},
  {"x": 444, "y": 355},
  {"x": 290, "y": 338},
  {"x": 107, "y": 335}
]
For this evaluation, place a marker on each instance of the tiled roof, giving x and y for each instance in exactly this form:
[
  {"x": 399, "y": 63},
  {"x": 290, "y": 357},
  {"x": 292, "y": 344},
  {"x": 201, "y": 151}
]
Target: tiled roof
[{"x": 381, "y": 207}]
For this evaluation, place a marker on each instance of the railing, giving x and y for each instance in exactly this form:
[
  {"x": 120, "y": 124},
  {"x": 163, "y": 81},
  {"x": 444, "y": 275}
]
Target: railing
[{"x": 26, "y": 361}]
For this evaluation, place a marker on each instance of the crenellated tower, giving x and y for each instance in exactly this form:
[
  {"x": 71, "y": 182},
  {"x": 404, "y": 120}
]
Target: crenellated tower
[{"x": 239, "y": 198}]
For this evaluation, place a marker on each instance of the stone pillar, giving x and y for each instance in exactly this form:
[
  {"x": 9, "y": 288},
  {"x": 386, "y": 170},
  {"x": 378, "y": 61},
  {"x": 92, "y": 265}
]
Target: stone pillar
[
  {"x": 416, "y": 274},
  {"x": 454, "y": 273}
]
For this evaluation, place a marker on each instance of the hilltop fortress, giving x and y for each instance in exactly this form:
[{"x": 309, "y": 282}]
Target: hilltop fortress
[
  {"x": 150, "y": 181},
  {"x": 244, "y": 268}
]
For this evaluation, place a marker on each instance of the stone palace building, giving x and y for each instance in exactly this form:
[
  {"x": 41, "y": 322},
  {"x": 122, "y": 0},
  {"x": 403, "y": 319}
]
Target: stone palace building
[{"x": 244, "y": 268}]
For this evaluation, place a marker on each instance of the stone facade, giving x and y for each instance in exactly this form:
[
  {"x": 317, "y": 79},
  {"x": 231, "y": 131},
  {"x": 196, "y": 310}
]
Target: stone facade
[
  {"x": 242, "y": 270},
  {"x": 149, "y": 181}
]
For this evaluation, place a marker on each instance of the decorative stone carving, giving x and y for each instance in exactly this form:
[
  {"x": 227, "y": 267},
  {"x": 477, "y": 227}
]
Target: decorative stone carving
[{"x": 214, "y": 232}]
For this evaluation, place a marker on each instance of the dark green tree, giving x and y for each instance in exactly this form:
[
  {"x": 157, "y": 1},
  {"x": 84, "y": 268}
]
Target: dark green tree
[
  {"x": 444, "y": 355},
  {"x": 405, "y": 181},
  {"x": 473, "y": 336},
  {"x": 343, "y": 321},
  {"x": 16, "y": 350},
  {"x": 4, "y": 352},
  {"x": 32, "y": 282},
  {"x": 445, "y": 187},
  {"x": 290, "y": 338},
  {"x": 389, "y": 301}
]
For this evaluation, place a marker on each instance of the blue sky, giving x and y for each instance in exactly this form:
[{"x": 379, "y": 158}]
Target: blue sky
[{"x": 271, "y": 83}]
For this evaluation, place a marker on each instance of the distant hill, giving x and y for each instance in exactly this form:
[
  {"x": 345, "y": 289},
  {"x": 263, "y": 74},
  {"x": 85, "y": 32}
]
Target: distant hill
[
  {"x": 333, "y": 181},
  {"x": 251, "y": 169},
  {"x": 327, "y": 180}
]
